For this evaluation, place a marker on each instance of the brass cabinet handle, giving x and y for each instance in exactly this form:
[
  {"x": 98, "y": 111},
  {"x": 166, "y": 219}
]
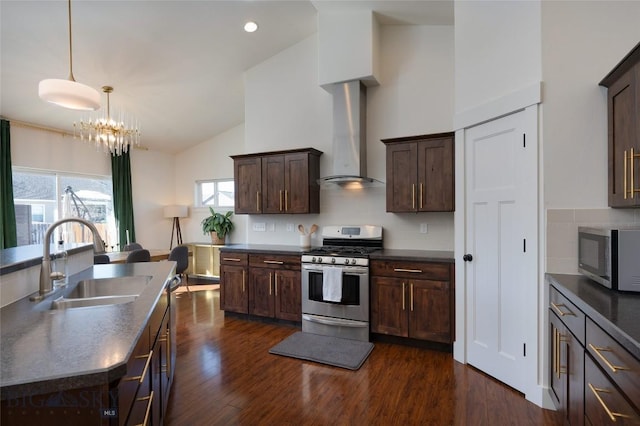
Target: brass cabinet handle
[
  {"x": 421, "y": 195},
  {"x": 243, "y": 276},
  {"x": 270, "y": 282},
  {"x": 413, "y": 196},
  {"x": 276, "y": 284},
  {"x": 280, "y": 196},
  {"x": 411, "y": 295},
  {"x": 596, "y": 391},
  {"x": 560, "y": 312},
  {"x": 257, "y": 201},
  {"x": 276, "y": 262},
  {"x": 624, "y": 174},
  {"x": 416, "y": 271},
  {"x": 286, "y": 200},
  {"x": 230, "y": 259},
  {"x": 167, "y": 366},
  {"x": 556, "y": 352},
  {"x": 403, "y": 296},
  {"x": 149, "y": 400},
  {"x": 598, "y": 350},
  {"x": 631, "y": 177},
  {"x": 141, "y": 377}
]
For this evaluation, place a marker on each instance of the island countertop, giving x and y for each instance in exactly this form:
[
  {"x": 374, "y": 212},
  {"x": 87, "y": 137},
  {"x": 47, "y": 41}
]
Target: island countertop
[{"x": 51, "y": 350}]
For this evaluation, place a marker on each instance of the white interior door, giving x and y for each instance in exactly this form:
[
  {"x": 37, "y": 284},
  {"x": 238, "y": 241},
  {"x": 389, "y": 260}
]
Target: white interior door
[{"x": 501, "y": 271}]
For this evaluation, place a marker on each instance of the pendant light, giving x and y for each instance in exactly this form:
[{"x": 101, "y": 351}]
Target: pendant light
[{"x": 69, "y": 93}]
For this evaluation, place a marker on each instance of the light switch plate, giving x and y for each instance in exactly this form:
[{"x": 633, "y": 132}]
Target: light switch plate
[
  {"x": 259, "y": 227},
  {"x": 423, "y": 228}
]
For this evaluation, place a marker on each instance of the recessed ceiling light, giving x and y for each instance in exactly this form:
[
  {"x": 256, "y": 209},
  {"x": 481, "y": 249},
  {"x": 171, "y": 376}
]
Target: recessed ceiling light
[{"x": 250, "y": 27}]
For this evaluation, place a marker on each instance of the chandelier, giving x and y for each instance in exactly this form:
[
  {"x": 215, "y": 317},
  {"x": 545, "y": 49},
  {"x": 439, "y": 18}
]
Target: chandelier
[
  {"x": 69, "y": 93},
  {"x": 111, "y": 135}
]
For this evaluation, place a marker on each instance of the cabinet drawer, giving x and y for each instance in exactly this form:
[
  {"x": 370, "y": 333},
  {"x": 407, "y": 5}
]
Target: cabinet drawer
[
  {"x": 274, "y": 261},
  {"x": 620, "y": 365},
  {"x": 233, "y": 258},
  {"x": 568, "y": 313},
  {"x": 604, "y": 403},
  {"x": 416, "y": 270},
  {"x": 135, "y": 381}
]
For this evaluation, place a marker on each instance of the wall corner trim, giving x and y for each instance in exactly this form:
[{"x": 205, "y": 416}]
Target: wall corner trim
[{"x": 498, "y": 107}]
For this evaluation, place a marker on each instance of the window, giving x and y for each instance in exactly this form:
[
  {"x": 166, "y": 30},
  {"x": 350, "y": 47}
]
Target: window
[
  {"x": 216, "y": 193},
  {"x": 42, "y": 197}
]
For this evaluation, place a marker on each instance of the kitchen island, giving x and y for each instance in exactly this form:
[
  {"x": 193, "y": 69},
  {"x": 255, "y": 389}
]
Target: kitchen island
[{"x": 72, "y": 366}]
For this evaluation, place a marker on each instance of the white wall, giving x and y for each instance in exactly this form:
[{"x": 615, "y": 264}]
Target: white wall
[
  {"x": 45, "y": 150},
  {"x": 286, "y": 108},
  {"x": 152, "y": 182},
  {"x": 208, "y": 160},
  {"x": 497, "y": 49},
  {"x": 575, "y": 58}
]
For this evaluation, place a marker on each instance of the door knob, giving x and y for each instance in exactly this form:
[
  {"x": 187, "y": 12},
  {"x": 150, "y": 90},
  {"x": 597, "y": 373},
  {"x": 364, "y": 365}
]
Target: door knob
[{"x": 467, "y": 258}]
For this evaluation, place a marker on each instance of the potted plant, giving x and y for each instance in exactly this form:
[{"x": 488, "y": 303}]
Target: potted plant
[{"x": 218, "y": 225}]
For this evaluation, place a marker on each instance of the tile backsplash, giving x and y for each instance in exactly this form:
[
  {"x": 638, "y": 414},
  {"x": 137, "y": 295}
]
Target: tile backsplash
[{"x": 562, "y": 233}]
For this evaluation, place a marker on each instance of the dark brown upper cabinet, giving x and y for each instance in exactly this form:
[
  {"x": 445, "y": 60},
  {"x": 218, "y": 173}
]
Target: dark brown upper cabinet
[
  {"x": 623, "y": 123},
  {"x": 279, "y": 182},
  {"x": 420, "y": 173}
]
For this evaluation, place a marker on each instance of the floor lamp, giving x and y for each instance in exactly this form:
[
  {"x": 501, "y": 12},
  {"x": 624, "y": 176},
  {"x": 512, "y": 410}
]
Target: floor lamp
[{"x": 175, "y": 213}]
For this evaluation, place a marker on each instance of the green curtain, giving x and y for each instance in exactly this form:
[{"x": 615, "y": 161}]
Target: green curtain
[
  {"x": 8, "y": 234},
  {"x": 123, "y": 197}
]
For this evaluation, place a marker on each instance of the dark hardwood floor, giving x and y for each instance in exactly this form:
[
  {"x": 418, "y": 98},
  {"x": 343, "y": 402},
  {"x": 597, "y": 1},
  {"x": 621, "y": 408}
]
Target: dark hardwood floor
[{"x": 225, "y": 376}]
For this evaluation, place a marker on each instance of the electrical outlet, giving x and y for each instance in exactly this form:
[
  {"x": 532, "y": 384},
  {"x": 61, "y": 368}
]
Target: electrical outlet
[
  {"x": 423, "y": 228},
  {"x": 289, "y": 227},
  {"x": 259, "y": 227},
  {"x": 272, "y": 227}
]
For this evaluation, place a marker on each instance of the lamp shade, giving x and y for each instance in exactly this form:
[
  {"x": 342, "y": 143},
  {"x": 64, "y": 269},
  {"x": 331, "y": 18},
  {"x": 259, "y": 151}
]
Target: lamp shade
[
  {"x": 69, "y": 94},
  {"x": 176, "y": 211}
]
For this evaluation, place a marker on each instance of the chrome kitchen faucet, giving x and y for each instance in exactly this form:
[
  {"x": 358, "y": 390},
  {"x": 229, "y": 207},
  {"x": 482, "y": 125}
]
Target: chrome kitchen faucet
[{"x": 46, "y": 279}]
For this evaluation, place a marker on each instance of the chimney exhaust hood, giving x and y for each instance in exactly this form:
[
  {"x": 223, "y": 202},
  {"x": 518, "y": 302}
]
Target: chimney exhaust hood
[{"x": 349, "y": 136}]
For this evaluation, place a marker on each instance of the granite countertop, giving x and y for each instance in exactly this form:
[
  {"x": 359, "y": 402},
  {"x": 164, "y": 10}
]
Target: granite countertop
[
  {"x": 617, "y": 313},
  {"x": 395, "y": 254},
  {"x": 52, "y": 350},
  {"x": 22, "y": 257}
]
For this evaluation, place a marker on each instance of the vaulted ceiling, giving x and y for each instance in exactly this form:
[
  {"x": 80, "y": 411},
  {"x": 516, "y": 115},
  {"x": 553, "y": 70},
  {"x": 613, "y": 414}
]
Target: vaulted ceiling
[{"x": 177, "y": 66}]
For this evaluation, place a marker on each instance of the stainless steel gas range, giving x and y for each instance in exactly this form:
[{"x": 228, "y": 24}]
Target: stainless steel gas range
[{"x": 335, "y": 282}]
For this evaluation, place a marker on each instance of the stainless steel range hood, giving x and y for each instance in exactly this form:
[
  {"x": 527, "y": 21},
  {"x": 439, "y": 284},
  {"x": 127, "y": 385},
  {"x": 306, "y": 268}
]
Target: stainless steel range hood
[{"x": 349, "y": 136}]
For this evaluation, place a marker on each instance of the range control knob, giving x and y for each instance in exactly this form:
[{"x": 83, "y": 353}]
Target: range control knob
[
  {"x": 346, "y": 261},
  {"x": 333, "y": 260},
  {"x": 353, "y": 261},
  {"x": 313, "y": 259},
  {"x": 319, "y": 260}
]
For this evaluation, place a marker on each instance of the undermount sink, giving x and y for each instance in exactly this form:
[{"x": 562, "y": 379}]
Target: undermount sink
[{"x": 102, "y": 291}]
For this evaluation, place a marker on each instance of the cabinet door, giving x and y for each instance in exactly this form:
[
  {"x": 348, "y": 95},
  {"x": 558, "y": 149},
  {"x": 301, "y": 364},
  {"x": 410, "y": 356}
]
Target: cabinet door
[
  {"x": 430, "y": 310},
  {"x": 233, "y": 289},
  {"x": 288, "y": 297},
  {"x": 261, "y": 292},
  {"x": 402, "y": 175},
  {"x": 558, "y": 376},
  {"x": 247, "y": 173},
  {"x": 435, "y": 175},
  {"x": 273, "y": 184},
  {"x": 389, "y": 306},
  {"x": 297, "y": 185},
  {"x": 622, "y": 106}
]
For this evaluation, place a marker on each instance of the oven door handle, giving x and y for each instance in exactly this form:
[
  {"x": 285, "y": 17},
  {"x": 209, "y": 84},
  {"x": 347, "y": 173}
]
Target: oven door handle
[
  {"x": 350, "y": 270},
  {"x": 335, "y": 321}
]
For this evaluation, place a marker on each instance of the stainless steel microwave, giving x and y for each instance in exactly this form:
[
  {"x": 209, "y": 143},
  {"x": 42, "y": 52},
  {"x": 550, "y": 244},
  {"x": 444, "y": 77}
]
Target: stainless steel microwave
[{"x": 610, "y": 256}]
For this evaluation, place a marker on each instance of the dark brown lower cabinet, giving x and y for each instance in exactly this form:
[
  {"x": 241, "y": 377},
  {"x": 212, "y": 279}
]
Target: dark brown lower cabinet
[
  {"x": 274, "y": 286},
  {"x": 234, "y": 294},
  {"x": 412, "y": 299}
]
